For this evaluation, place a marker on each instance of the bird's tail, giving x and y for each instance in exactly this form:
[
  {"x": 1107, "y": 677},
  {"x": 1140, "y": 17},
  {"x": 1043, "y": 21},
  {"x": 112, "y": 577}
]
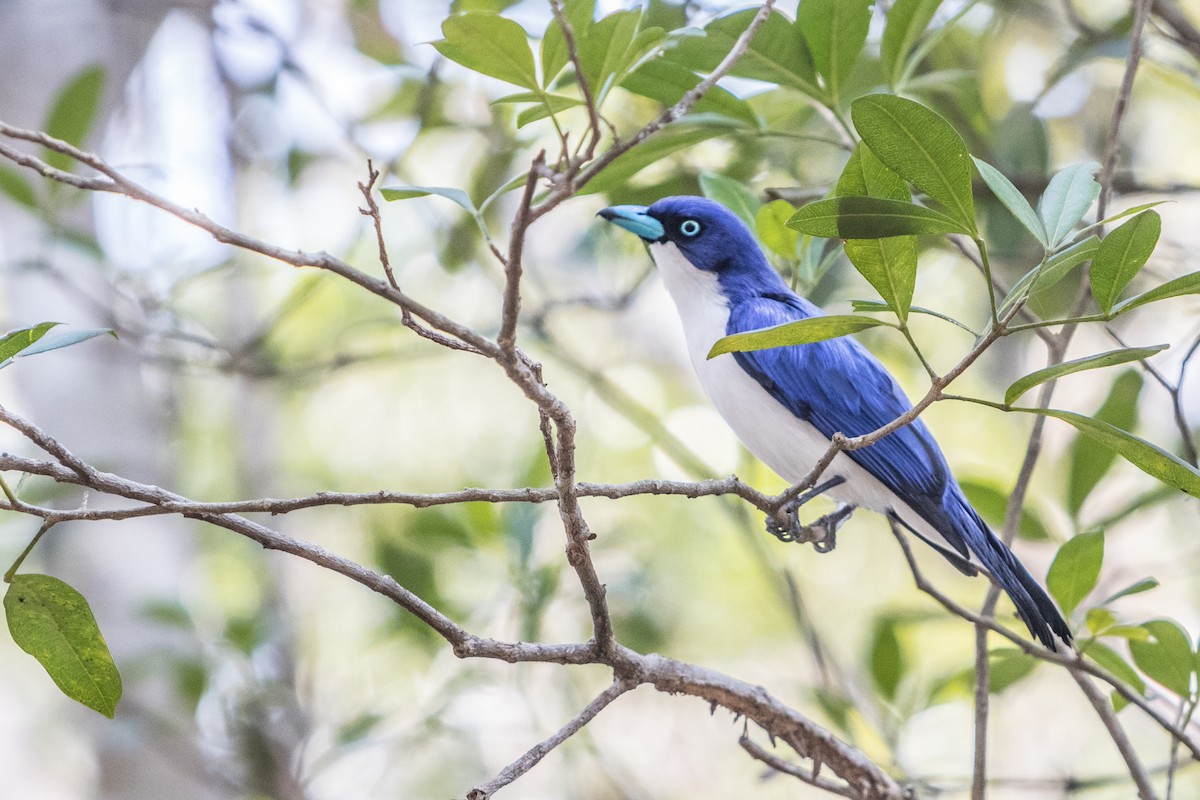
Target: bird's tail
[{"x": 1034, "y": 606}]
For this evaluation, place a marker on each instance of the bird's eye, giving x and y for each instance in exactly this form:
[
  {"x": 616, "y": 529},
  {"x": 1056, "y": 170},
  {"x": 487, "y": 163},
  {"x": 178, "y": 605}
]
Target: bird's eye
[{"x": 689, "y": 227}]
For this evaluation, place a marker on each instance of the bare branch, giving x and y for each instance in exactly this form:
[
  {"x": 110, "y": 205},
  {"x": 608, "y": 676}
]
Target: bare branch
[
  {"x": 536, "y": 753},
  {"x": 1141, "y": 10},
  {"x": 1137, "y": 770},
  {"x": 778, "y": 764}
]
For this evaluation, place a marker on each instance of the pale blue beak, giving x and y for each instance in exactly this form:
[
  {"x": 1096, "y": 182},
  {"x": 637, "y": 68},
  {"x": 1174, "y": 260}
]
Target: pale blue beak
[{"x": 635, "y": 220}]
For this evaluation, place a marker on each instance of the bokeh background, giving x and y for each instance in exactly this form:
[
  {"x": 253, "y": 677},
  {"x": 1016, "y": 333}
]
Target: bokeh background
[{"x": 253, "y": 675}]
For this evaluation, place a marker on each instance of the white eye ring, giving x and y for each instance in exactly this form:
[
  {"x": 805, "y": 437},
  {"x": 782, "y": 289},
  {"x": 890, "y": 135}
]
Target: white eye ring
[{"x": 689, "y": 227}]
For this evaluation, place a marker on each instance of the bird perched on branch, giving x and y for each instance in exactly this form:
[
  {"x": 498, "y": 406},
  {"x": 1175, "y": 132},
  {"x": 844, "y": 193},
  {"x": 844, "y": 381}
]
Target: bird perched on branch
[{"x": 787, "y": 403}]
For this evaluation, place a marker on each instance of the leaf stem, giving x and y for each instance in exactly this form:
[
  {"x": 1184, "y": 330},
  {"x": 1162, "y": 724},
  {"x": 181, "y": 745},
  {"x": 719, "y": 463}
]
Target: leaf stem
[
  {"x": 987, "y": 272},
  {"x": 47, "y": 525}
]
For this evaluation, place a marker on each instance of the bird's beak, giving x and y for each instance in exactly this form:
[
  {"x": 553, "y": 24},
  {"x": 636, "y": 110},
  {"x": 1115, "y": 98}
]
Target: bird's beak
[{"x": 635, "y": 219}]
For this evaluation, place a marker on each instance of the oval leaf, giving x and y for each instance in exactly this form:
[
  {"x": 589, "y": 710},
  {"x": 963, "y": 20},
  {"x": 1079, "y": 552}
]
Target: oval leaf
[
  {"x": 814, "y": 329},
  {"x": 835, "y": 31},
  {"x": 20, "y": 339},
  {"x": 870, "y": 218},
  {"x": 1067, "y": 198},
  {"x": 1147, "y": 457},
  {"x": 53, "y": 623},
  {"x": 731, "y": 194},
  {"x": 886, "y": 658},
  {"x": 1168, "y": 658},
  {"x": 1188, "y": 284},
  {"x": 1108, "y": 658},
  {"x": 920, "y": 146},
  {"x": 1012, "y": 199},
  {"x": 1144, "y": 585},
  {"x": 74, "y": 112},
  {"x": 906, "y": 21},
  {"x": 1050, "y": 271},
  {"x": 1122, "y": 255},
  {"x": 770, "y": 223},
  {"x": 1090, "y": 460},
  {"x": 491, "y": 45},
  {"x": 889, "y": 265},
  {"x": 409, "y": 192},
  {"x": 1075, "y": 569},
  {"x": 1108, "y": 359}
]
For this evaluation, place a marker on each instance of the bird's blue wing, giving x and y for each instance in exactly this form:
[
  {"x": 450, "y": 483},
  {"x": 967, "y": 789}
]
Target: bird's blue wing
[{"x": 838, "y": 386}]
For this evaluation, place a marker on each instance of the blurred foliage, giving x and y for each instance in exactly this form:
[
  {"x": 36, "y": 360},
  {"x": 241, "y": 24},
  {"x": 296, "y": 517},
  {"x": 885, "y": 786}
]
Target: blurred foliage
[{"x": 357, "y": 403}]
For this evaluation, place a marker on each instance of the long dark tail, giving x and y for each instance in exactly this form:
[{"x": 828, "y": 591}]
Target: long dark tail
[{"x": 1034, "y": 606}]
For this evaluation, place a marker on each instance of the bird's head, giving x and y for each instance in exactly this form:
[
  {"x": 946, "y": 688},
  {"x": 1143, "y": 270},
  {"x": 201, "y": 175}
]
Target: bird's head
[{"x": 710, "y": 236}]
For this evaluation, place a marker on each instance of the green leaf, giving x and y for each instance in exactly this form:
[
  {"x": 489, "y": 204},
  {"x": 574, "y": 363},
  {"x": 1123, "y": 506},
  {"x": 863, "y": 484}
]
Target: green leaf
[
  {"x": 491, "y": 45},
  {"x": 18, "y": 189},
  {"x": 731, "y": 194},
  {"x": 920, "y": 146},
  {"x": 835, "y": 31},
  {"x": 1075, "y": 569},
  {"x": 55, "y": 340},
  {"x": 1012, "y": 199},
  {"x": 1147, "y": 457},
  {"x": 1110, "y": 660},
  {"x": 612, "y": 47},
  {"x": 886, "y": 658},
  {"x": 1067, "y": 198},
  {"x": 1188, "y": 284},
  {"x": 906, "y": 21},
  {"x": 1059, "y": 265},
  {"x": 1122, "y": 254},
  {"x": 770, "y": 223},
  {"x": 870, "y": 218},
  {"x": 554, "y": 53},
  {"x": 864, "y": 174},
  {"x": 889, "y": 265},
  {"x": 651, "y": 151},
  {"x": 667, "y": 82},
  {"x": 17, "y": 340},
  {"x": 1144, "y": 585},
  {"x": 408, "y": 192},
  {"x": 1108, "y": 359},
  {"x": 1169, "y": 658},
  {"x": 73, "y": 113},
  {"x": 813, "y": 329},
  {"x": 1090, "y": 460},
  {"x": 777, "y": 54},
  {"x": 1052, "y": 270},
  {"x": 551, "y": 104},
  {"x": 1007, "y": 666},
  {"x": 53, "y": 623},
  {"x": 1129, "y": 212}
]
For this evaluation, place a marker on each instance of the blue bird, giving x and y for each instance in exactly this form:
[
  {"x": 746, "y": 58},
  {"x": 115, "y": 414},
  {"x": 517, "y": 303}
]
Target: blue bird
[{"x": 786, "y": 403}]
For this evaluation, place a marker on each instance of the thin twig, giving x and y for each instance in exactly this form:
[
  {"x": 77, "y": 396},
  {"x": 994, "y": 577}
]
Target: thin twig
[
  {"x": 1104, "y": 710},
  {"x": 536, "y": 753},
  {"x": 778, "y": 764}
]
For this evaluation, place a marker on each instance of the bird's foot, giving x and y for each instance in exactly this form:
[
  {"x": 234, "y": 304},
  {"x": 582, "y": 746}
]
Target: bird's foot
[{"x": 821, "y": 533}]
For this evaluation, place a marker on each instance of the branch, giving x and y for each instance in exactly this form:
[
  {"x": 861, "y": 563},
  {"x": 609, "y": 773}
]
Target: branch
[
  {"x": 778, "y": 764},
  {"x": 536, "y": 753},
  {"x": 573, "y": 182},
  {"x": 1105, "y": 711}
]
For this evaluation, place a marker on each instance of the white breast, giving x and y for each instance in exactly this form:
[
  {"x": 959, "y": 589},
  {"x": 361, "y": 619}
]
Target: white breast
[{"x": 784, "y": 442}]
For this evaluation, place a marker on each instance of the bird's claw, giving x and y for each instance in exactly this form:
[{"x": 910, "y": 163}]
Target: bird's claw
[{"x": 821, "y": 533}]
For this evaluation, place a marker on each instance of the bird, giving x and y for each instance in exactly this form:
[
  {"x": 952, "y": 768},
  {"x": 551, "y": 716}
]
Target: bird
[{"x": 787, "y": 403}]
